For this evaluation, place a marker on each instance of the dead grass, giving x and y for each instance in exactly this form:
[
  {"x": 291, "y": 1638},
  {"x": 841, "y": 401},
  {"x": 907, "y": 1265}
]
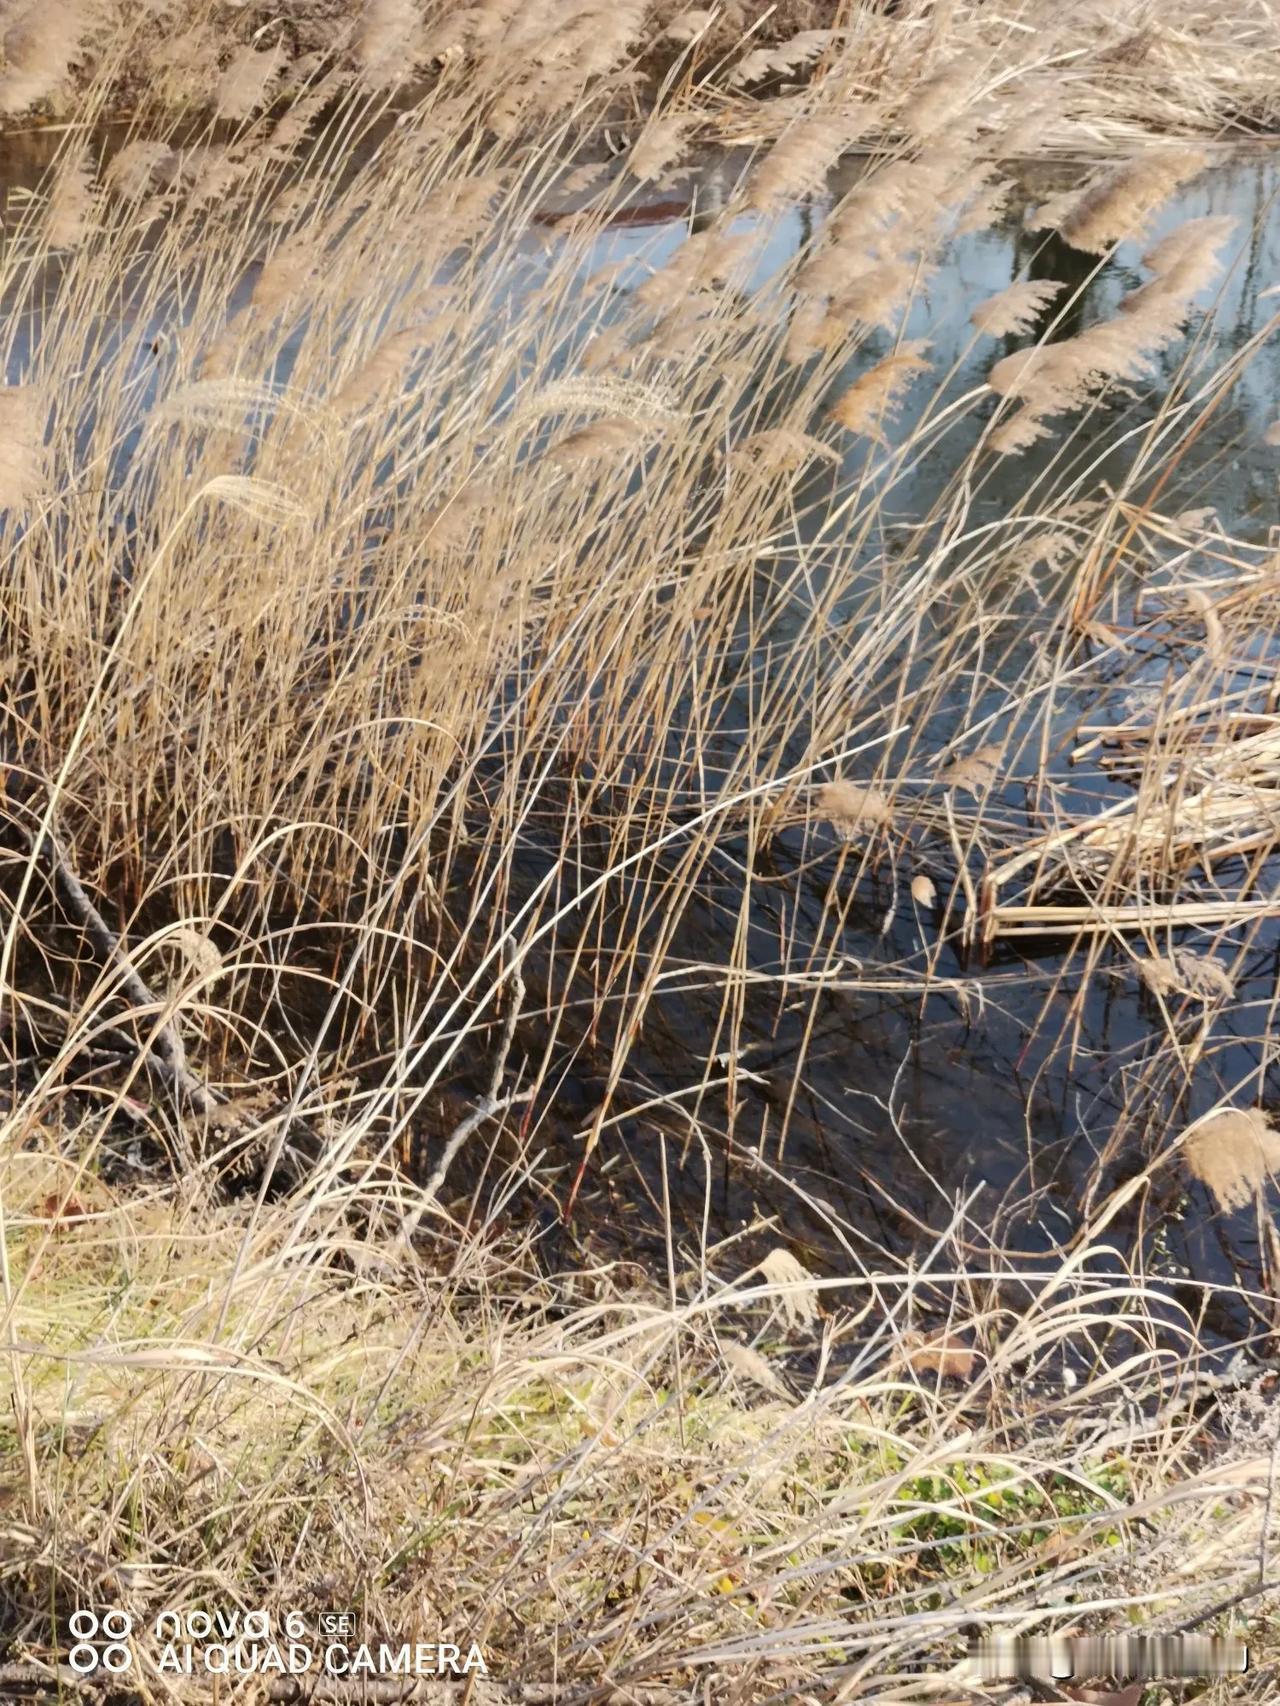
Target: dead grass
[
  {"x": 417, "y": 625},
  {"x": 223, "y": 1409},
  {"x": 1082, "y": 78}
]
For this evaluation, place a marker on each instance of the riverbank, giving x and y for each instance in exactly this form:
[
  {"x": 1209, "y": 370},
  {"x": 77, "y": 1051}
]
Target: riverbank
[
  {"x": 745, "y": 1482},
  {"x": 1076, "y": 79}
]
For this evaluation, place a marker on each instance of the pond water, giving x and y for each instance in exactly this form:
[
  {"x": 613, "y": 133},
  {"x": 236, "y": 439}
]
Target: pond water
[
  {"x": 851, "y": 1118},
  {"x": 861, "y": 1117}
]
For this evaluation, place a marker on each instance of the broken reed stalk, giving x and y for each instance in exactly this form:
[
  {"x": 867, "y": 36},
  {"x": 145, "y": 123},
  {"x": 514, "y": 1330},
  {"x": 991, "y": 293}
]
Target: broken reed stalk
[{"x": 1047, "y": 920}]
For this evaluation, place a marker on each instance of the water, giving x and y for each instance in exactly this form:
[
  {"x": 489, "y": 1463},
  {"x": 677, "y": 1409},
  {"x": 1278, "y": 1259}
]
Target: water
[
  {"x": 862, "y": 1116},
  {"x": 850, "y": 1118}
]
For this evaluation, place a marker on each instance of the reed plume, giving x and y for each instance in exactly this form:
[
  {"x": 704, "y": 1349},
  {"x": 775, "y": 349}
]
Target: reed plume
[
  {"x": 629, "y": 399},
  {"x": 662, "y": 145},
  {"x": 788, "y": 56},
  {"x": 220, "y": 404},
  {"x": 293, "y": 124},
  {"x": 218, "y": 173},
  {"x": 606, "y": 440},
  {"x": 1054, "y": 378},
  {"x": 877, "y": 296},
  {"x": 1235, "y": 1152},
  {"x": 72, "y": 202},
  {"x": 873, "y": 398},
  {"x": 689, "y": 24},
  {"x": 1015, "y": 309},
  {"x": 976, "y": 772},
  {"x": 134, "y": 171},
  {"x": 387, "y": 42},
  {"x": 853, "y": 809},
  {"x": 284, "y": 275},
  {"x": 22, "y": 453},
  {"x": 798, "y": 163},
  {"x": 1018, "y": 432},
  {"x": 785, "y": 449},
  {"x": 40, "y": 45},
  {"x": 797, "y": 1293},
  {"x": 1184, "y": 972},
  {"x": 383, "y": 369},
  {"x": 1119, "y": 203},
  {"x": 940, "y": 103},
  {"x": 243, "y": 85},
  {"x": 704, "y": 261},
  {"x": 261, "y": 500}
]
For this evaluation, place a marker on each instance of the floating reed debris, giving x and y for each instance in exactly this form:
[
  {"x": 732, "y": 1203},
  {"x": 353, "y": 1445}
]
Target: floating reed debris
[{"x": 853, "y": 809}]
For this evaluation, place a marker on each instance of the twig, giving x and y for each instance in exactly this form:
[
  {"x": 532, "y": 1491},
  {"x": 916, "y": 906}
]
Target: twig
[
  {"x": 165, "y": 1052},
  {"x": 486, "y": 1108}
]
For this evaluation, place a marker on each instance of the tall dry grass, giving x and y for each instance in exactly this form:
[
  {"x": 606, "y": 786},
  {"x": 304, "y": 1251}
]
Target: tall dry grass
[{"x": 432, "y": 657}]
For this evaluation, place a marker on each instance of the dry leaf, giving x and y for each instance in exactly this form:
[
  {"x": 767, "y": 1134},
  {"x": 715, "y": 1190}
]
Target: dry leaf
[
  {"x": 63, "y": 1211},
  {"x": 1059, "y": 1547},
  {"x": 852, "y": 809},
  {"x": 923, "y": 891},
  {"x": 976, "y": 773},
  {"x": 1234, "y": 1151}
]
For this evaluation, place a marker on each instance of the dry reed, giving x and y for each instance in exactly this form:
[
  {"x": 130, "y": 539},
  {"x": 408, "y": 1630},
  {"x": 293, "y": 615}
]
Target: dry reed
[{"x": 432, "y": 641}]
